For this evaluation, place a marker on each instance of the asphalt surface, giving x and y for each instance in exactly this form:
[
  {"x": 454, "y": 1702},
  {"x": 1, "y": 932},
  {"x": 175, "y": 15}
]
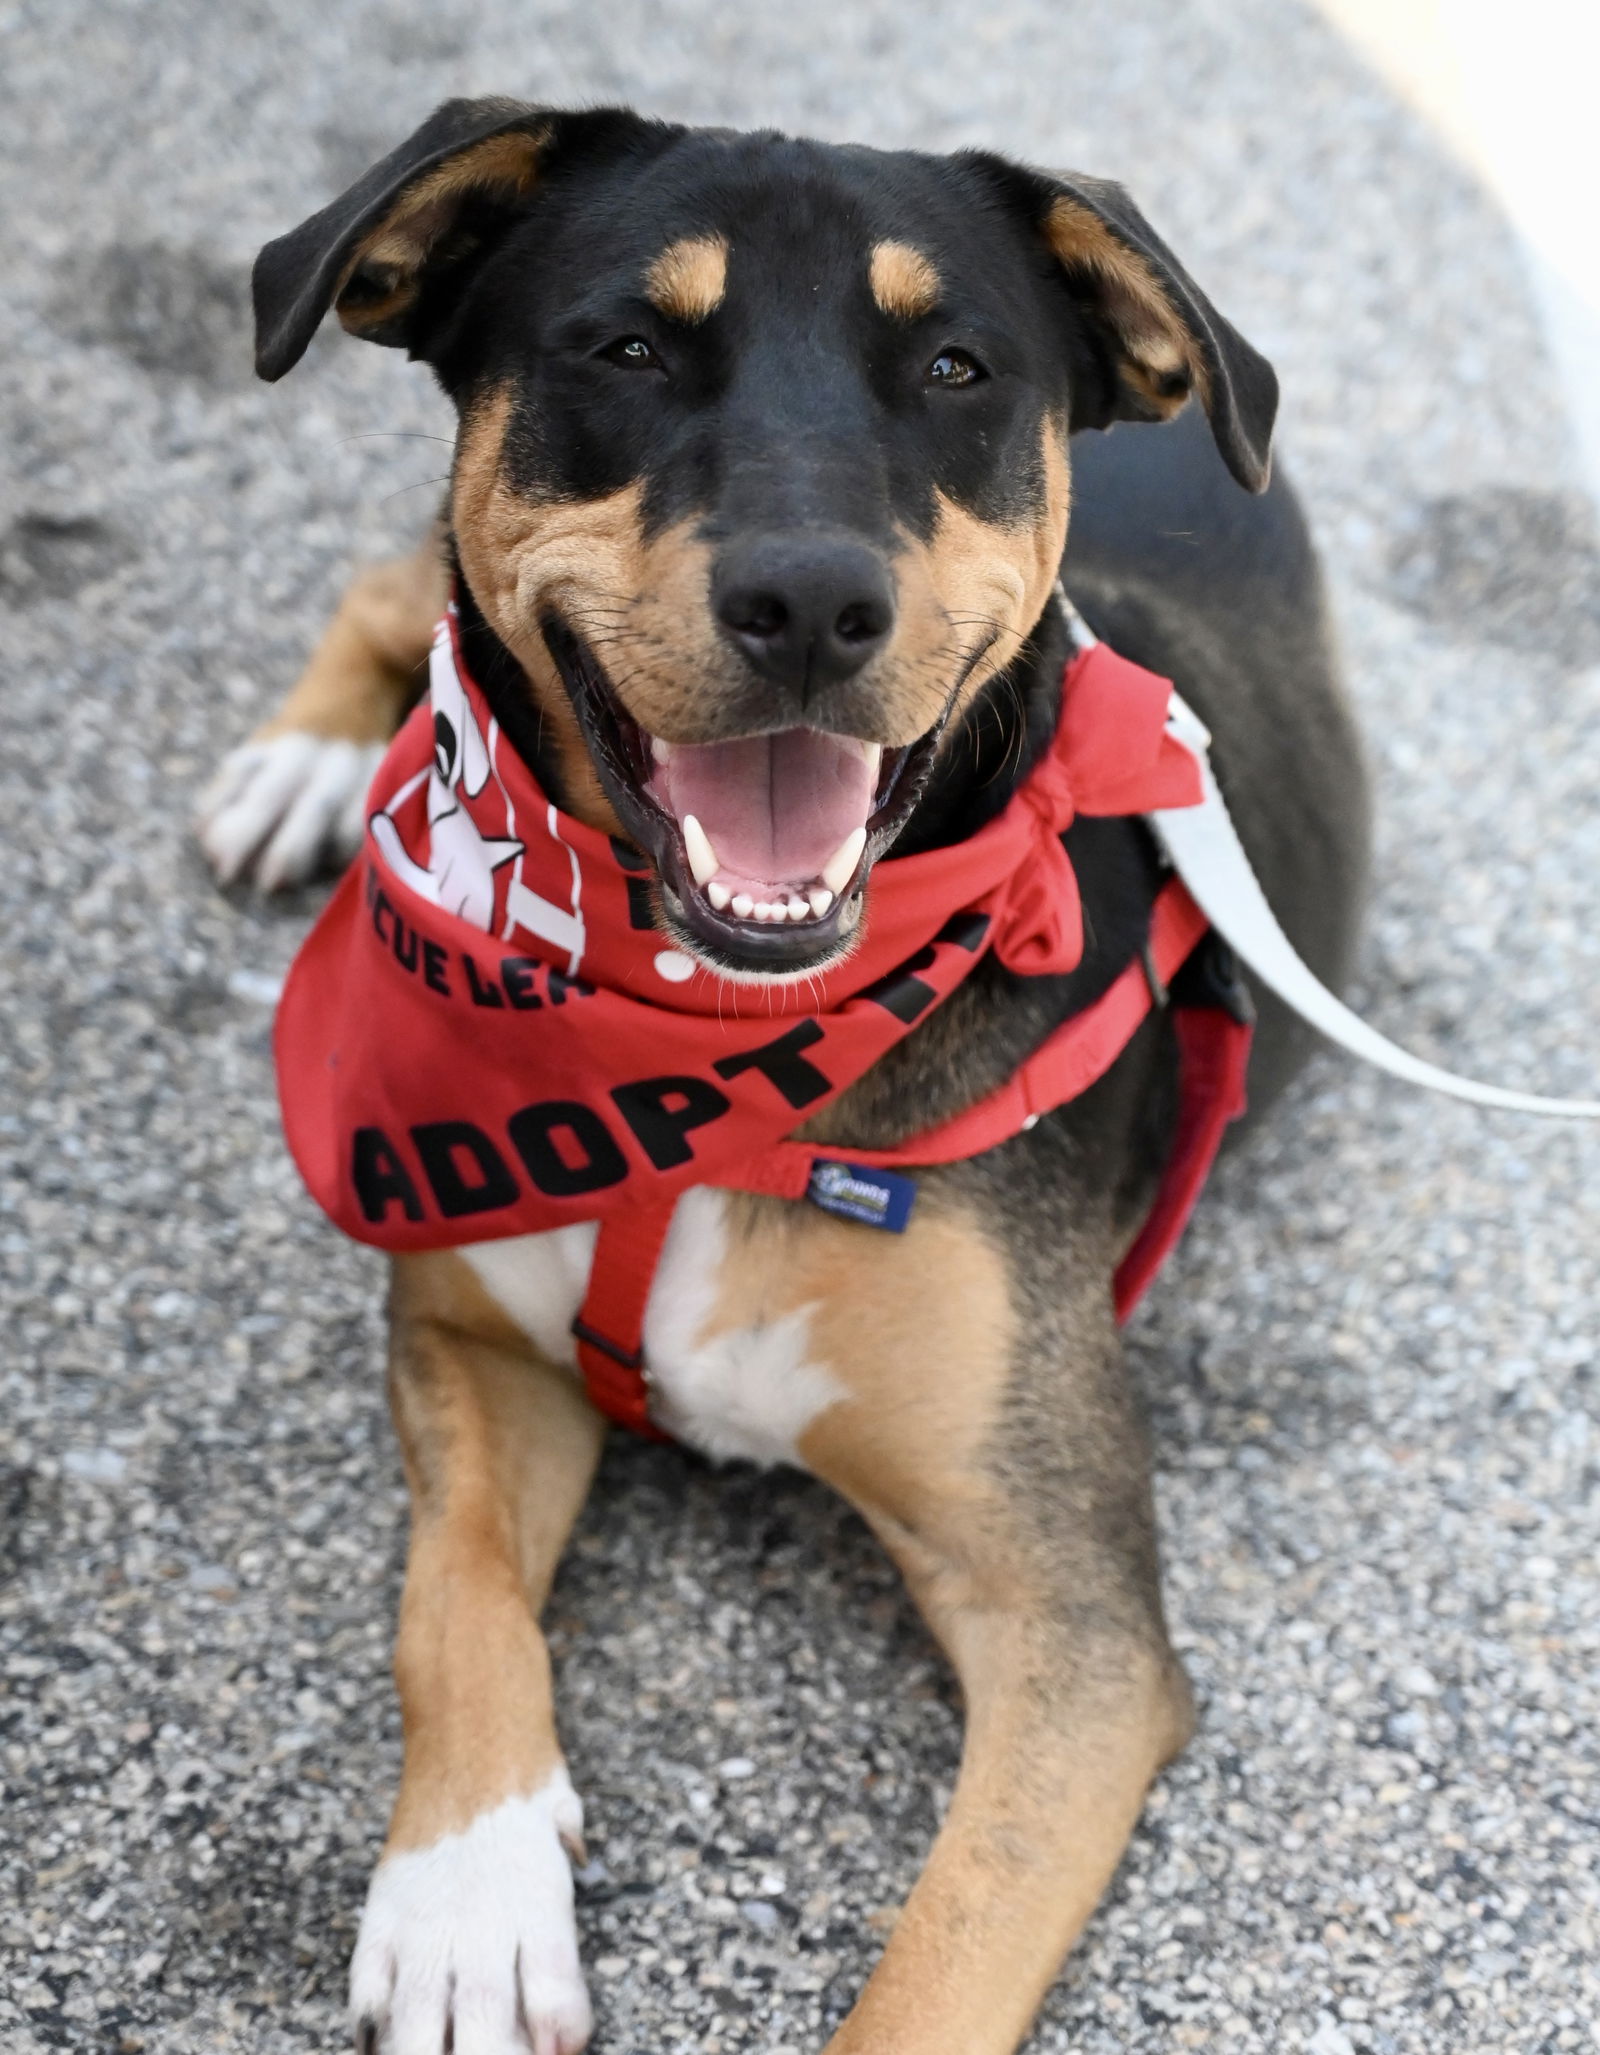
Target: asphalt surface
[{"x": 1372, "y": 1370}]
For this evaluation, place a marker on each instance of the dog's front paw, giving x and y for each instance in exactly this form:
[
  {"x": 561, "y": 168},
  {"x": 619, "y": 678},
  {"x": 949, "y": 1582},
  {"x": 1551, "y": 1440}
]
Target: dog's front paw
[
  {"x": 470, "y": 1946},
  {"x": 281, "y": 806}
]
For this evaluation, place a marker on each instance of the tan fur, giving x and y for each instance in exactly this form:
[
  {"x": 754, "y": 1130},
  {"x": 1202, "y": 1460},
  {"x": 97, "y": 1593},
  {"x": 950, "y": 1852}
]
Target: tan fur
[
  {"x": 1055, "y": 1767},
  {"x": 1061, "y": 1745},
  {"x": 687, "y": 281},
  {"x": 518, "y": 554},
  {"x": 936, "y": 1295},
  {"x": 971, "y": 593},
  {"x": 642, "y": 607},
  {"x": 368, "y": 668},
  {"x": 1158, "y": 349},
  {"x": 904, "y": 282},
  {"x": 967, "y": 599},
  {"x": 499, "y": 1450}
]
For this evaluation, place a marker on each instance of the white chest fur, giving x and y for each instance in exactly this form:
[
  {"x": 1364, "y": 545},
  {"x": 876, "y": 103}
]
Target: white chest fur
[{"x": 750, "y": 1392}]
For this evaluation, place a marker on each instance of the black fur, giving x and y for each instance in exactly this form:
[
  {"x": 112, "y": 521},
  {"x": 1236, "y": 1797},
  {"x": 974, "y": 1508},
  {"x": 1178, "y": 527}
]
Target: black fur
[{"x": 538, "y": 287}]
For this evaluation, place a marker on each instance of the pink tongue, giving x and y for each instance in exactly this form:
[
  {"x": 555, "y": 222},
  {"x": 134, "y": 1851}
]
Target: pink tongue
[{"x": 775, "y": 807}]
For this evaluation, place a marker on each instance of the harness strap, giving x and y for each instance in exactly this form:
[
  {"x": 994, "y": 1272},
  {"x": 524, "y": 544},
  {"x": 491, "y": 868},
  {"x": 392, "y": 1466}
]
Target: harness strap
[
  {"x": 1079, "y": 1052},
  {"x": 1213, "y": 1055},
  {"x": 1066, "y": 1063},
  {"x": 1213, "y": 1032},
  {"x": 609, "y": 1327}
]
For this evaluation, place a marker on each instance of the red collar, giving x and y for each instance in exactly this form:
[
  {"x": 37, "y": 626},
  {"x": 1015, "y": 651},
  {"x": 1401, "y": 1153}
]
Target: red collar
[{"x": 484, "y": 1035}]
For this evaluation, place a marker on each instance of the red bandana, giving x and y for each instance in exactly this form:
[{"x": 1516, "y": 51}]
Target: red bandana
[{"x": 484, "y": 1035}]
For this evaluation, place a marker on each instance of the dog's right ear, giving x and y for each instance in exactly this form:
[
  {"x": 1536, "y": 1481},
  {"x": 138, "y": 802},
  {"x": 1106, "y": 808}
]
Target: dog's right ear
[{"x": 434, "y": 205}]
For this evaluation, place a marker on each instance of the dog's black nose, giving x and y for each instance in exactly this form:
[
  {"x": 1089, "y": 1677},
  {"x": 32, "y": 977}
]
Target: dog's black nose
[{"x": 807, "y": 610}]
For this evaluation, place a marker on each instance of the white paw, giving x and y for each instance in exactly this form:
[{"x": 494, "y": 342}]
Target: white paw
[
  {"x": 470, "y": 1945},
  {"x": 280, "y": 807}
]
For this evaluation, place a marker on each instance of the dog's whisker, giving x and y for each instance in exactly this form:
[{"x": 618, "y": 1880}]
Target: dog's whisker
[
  {"x": 396, "y": 434},
  {"x": 417, "y": 485}
]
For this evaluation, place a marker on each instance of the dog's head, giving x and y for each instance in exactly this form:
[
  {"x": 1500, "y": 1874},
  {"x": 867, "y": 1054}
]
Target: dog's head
[{"x": 762, "y": 470}]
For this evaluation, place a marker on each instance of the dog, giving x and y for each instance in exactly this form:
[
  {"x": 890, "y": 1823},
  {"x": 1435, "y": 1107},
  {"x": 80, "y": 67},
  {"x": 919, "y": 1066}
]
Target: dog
[{"x": 761, "y": 493}]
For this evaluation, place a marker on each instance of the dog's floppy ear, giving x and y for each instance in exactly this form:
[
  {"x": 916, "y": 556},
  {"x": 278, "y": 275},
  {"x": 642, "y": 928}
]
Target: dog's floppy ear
[
  {"x": 434, "y": 204},
  {"x": 1163, "y": 337}
]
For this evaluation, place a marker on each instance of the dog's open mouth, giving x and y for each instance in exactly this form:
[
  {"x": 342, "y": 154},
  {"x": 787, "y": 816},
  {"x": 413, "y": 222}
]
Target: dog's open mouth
[{"x": 762, "y": 843}]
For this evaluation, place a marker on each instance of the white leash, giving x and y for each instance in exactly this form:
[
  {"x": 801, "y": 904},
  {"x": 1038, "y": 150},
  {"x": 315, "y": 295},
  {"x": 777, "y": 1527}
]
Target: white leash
[{"x": 1203, "y": 847}]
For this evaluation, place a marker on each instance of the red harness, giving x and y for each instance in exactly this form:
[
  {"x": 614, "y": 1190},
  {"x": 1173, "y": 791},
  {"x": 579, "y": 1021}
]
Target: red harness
[{"x": 484, "y": 1034}]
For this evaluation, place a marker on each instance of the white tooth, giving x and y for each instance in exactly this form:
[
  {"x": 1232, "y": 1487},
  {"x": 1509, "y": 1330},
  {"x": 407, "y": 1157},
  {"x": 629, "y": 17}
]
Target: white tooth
[
  {"x": 661, "y": 751},
  {"x": 718, "y": 894},
  {"x": 820, "y": 900},
  {"x": 841, "y": 866},
  {"x": 798, "y": 909},
  {"x": 743, "y": 905},
  {"x": 871, "y": 755},
  {"x": 697, "y": 847}
]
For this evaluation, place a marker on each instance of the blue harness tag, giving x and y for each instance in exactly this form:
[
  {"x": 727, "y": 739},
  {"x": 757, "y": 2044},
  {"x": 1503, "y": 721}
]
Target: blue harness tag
[{"x": 877, "y": 1198}]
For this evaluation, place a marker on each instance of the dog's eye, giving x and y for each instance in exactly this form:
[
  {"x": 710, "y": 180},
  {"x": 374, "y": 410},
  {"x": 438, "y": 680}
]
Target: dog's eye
[
  {"x": 954, "y": 367},
  {"x": 633, "y": 353}
]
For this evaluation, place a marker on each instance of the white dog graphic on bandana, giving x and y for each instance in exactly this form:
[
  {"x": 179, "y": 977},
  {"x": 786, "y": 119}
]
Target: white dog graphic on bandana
[{"x": 459, "y": 875}]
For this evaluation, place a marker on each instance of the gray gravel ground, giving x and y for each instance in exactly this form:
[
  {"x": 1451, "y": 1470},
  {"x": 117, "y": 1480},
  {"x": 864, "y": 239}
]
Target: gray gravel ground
[{"x": 1372, "y": 1370}]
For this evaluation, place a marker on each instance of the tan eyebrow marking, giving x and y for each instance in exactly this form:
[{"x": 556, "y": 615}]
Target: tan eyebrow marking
[
  {"x": 687, "y": 281},
  {"x": 904, "y": 282}
]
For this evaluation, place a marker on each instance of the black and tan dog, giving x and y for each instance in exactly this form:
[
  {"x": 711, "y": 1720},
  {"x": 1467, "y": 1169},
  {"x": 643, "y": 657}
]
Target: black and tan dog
[{"x": 765, "y": 444}]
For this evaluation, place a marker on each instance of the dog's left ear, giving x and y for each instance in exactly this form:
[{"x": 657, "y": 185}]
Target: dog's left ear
[
  {"x": 428, "y": 211},
  {"x": 1163, "y": 338}
]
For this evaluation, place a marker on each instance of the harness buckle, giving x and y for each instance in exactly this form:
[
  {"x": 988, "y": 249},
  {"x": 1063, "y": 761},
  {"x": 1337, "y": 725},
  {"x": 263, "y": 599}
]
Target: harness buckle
[{"x": 1213, "y": 977}]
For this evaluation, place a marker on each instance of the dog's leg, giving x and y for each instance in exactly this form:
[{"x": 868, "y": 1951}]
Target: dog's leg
[
  {"x": 467, "y": 1940},
  {"x": 291, "y": 798},
  {"x": 1001, "y": 1459}
]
